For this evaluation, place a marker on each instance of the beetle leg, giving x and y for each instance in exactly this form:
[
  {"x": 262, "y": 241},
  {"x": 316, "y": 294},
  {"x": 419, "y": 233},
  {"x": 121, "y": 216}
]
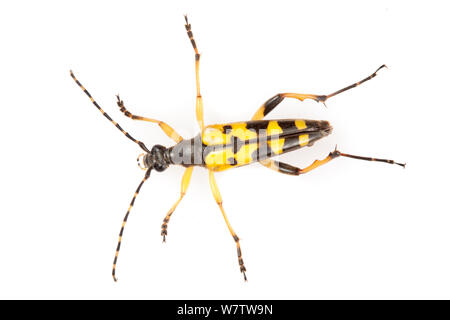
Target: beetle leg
[
  {"x": 171, "y": 133},
  {"x": 218, "y": 198},
  {"x": 184, "y": 185},
  {"x": 198, "y": 99},
  {"x": 270, "y": 104},
  {"x": 291, "y": 170}
]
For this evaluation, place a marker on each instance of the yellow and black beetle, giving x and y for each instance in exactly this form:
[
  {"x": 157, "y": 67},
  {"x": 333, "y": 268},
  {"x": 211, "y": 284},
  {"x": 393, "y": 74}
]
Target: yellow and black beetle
[{"x": 223, "y": 146}]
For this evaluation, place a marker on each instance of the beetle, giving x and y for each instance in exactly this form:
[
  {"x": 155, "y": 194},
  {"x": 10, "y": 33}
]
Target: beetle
[{"x": 220, "y": 147}]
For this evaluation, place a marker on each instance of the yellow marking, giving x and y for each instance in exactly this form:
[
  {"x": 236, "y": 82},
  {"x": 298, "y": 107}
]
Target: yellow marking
[
  {"x": 83, "y": 88},
  {"x": 300, "y": 124},
  {"x": 244, "y": 155},
  {"x": 92, "y": 99},
  {"x": 276, "y": 145},
  {"x": 303, "y": 139},
  {"x": 123, "y": 224},
  {"x": 217, "y": 160},
  {"x": 240, "y": 131},
  {"x": 213, "y": 135},
  {"x": 274, "y": 129},
  {"x": 117, "y": 253},
  {"x": 114, "y": 123}
]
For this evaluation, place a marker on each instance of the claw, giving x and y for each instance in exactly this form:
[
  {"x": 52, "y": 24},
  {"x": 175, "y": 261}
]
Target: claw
[{"x": 245, "y": 276}]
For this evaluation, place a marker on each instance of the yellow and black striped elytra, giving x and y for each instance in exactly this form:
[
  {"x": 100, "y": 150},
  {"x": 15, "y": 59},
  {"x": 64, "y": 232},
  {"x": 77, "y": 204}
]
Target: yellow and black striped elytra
[{"x": 220, "y": 147}]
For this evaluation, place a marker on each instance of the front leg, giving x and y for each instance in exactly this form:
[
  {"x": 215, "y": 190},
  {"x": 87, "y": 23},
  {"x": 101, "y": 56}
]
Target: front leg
[
  {"x": 184, "y": 185},
  {"x": 168, "y": 130}
]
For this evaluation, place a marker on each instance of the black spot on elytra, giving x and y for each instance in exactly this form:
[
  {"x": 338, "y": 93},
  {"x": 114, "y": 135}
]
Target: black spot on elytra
[
  {"x": 226, "y": 128},
  {"x": 287, "y": 125}
]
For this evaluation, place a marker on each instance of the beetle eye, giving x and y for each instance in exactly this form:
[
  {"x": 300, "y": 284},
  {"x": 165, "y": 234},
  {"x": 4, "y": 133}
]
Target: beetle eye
[{"x": 159, "y": 167}]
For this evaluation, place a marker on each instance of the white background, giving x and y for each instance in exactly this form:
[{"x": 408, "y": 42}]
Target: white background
[{"x": 351, "y": 229}]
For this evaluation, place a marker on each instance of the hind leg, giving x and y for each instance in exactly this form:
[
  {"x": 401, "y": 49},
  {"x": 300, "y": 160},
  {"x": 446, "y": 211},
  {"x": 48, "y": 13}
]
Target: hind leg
[
  {"x": 270, "y": 104},
  {"x": 291, "y": 170}
]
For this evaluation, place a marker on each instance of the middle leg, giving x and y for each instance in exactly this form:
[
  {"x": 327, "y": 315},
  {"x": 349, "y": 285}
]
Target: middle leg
[
  {"x": 198, "y": 99},
  {"x": 218, "y": 198}
]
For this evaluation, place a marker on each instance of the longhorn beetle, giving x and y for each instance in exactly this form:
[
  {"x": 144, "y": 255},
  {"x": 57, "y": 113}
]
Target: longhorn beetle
[{"x": 224, "y": 146}]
